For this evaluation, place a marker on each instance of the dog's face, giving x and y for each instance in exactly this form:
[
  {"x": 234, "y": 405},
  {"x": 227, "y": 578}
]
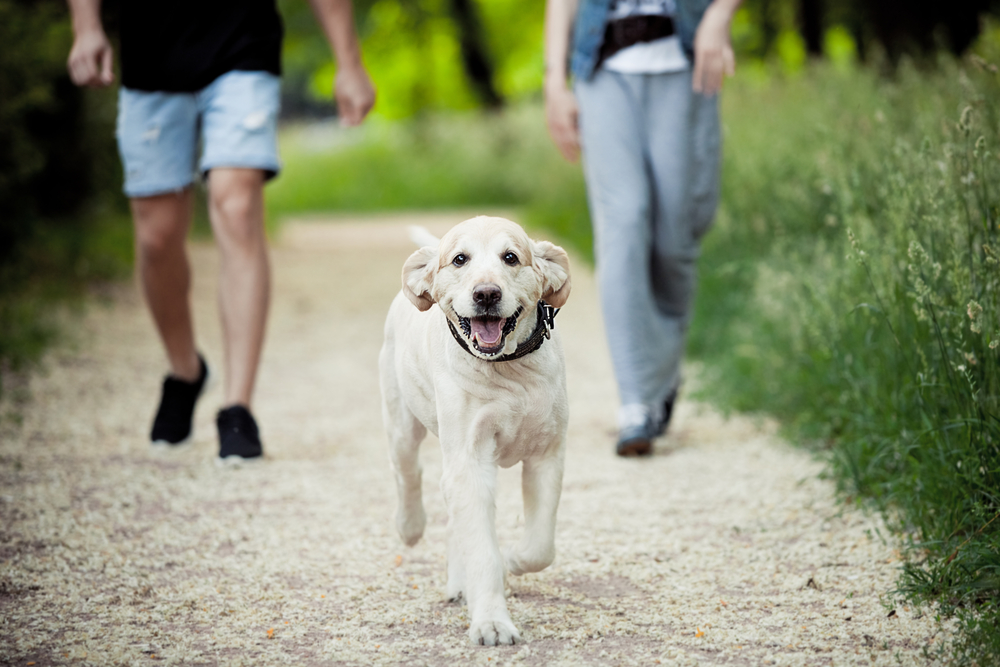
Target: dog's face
[{"x": 486, "y": 275}]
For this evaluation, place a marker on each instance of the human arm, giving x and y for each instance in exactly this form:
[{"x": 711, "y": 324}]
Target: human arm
[
  {"x": 91, "y": 58},
  {"x": 713, "y": 52},
  {"x": 353, "y": 89},
  {"x": 561, "y": 112}
]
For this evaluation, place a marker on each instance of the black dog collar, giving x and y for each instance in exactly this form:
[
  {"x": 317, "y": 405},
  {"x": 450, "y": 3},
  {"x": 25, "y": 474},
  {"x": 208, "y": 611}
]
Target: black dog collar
[{"x": 544, "y": 324}]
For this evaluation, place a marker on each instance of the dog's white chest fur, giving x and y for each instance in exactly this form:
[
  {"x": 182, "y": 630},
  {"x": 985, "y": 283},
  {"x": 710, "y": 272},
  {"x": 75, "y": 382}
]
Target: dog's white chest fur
[
  {"x": 486, "y": 278},
  {"x": 517, "y": 409}
]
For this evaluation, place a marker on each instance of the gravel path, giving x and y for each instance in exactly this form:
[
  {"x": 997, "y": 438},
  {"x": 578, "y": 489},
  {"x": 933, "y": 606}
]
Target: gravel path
[{"x": 724, "y": 548}]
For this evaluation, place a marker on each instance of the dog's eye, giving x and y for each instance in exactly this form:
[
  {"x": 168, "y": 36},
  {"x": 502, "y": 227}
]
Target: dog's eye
[
  {"x": 511, "y": 259},
  {"x": 460, "y": 260}
]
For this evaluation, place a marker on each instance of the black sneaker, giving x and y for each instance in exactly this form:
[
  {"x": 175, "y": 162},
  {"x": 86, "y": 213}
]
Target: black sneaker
[
  {"x": 172, "y": 425},
  {"x": 239, "y": 439}
]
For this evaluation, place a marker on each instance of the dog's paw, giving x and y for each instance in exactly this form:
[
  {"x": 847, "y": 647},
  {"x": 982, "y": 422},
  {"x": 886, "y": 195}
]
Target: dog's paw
[
  {"x": 494, "y": 632},
  {"x": 511, "y": 563},
  {"x": 455, "y": 590},
  {"x": 518, "y": 563},
  {"x": 410, "y": 523}
]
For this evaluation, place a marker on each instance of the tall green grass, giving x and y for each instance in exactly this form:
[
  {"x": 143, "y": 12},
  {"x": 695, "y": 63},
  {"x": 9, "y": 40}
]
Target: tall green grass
[{"x": 852, "y": 288}]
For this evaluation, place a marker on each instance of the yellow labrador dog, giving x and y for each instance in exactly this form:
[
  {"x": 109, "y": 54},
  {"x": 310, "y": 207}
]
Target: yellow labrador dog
[{"x": 470, "y": 355}]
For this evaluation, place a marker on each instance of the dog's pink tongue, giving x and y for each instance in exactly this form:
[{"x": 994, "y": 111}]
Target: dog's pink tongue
[{"x": 487, "y": 331}]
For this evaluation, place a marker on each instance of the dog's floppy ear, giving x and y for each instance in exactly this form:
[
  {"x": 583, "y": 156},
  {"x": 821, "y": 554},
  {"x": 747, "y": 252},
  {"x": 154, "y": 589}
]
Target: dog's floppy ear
[
  {"x": 552, "y": 265},
  {"x": 418, "y": 277}
]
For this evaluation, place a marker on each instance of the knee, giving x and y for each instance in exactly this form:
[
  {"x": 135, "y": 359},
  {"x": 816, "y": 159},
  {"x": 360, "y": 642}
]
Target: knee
[
  {"x": 673, "y": 262},
  {"x": 158, "y": 241},
  {"x": 673, "y": 283},
  {"x": 237, "y": 214}
]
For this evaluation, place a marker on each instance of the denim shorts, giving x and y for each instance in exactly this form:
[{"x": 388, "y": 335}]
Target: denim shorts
[{"x": 235, "y": 118}]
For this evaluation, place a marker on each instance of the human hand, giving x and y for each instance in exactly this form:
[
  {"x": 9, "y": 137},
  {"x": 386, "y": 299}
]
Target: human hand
[
  {"x": 562, "y": 116},
  {"x": 354, "y": 93},
  {"x": 90, "y": 59},
  {"x": 713, "y": 52}
]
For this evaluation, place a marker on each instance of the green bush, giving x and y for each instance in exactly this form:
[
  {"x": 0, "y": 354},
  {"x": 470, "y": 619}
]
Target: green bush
[
  {"x": 61, "y": 219},
  {"x": 852, "y": 288}
]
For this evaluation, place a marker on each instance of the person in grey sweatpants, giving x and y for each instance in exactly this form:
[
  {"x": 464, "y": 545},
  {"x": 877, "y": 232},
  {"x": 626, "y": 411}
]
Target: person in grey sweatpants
[{"x": 648, "y": 126}]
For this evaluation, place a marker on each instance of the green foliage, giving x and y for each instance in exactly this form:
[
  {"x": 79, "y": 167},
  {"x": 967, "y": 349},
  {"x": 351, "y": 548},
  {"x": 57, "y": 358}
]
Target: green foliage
[
  {"x": 411, "y": 49},
  {"x": 448, "y": 160},
  {"x": 514, "y": 31},
  {"x": 33, "y": 58},
  {"x": 852, "y": 288},
  {"x": 59, "y": 225},
  {"x": 51, "y": 271}
]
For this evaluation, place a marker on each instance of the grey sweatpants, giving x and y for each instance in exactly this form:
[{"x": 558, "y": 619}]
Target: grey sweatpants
[{"x": 651, "y": 151}]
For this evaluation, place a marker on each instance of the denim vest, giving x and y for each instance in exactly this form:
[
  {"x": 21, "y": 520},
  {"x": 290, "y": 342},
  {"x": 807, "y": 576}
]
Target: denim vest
[{"x": 588, "y": 33}]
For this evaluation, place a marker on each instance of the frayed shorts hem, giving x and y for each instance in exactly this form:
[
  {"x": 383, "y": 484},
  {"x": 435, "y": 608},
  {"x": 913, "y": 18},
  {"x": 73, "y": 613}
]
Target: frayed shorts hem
[
  {"x": 264, "y": 163},
  {"x": 147, "y": 190}
]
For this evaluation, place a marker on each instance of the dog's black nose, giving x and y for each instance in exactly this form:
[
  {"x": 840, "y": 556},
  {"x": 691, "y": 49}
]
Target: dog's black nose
[{"x": 486, "y": 295}]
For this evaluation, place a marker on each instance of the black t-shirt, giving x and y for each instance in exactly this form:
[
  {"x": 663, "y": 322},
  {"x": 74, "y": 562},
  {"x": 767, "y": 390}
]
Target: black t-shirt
[{"x": 184, "y": 45}]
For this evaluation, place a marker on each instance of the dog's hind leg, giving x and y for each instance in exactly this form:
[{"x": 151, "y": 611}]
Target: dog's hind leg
[
  {"x": 541, "y": 486},
  {"x": 404, "y": 450},
  {"x": 405, "y": 435}
]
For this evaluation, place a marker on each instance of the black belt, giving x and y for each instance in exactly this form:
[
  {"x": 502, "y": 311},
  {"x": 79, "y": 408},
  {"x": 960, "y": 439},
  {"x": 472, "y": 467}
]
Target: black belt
[{"x": 625, "y": 32}]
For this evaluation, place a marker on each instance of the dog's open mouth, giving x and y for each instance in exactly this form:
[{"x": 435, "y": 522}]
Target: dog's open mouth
[{"x": 489, "y": 334}]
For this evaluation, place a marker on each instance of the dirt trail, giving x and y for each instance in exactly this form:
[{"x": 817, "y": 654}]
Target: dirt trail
[{"x": 724, "y": 548}]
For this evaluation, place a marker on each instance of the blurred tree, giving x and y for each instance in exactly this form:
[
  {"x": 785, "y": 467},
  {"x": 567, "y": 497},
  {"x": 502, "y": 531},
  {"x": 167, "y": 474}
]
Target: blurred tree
[
  {"x": 478, "y": 67},
  {"x": 923, "y": 26},
  {"x": 55, "y": 144},
  {"x": 811, "y": 22},
  {"x": 58, "y": 161},
  {"x": 423, "y": 55},
  {"x": 914, "y": 27}
]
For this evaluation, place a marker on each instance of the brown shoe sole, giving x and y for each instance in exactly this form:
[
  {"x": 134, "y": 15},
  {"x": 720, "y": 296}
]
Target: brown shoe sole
[{"x": 635, "y": 447}]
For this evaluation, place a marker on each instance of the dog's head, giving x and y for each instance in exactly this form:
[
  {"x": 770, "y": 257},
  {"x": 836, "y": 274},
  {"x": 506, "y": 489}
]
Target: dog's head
[{"x": 486, "y": 275}]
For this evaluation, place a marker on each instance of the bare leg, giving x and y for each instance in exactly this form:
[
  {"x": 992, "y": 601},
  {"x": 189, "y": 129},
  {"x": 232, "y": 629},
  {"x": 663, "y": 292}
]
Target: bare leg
[
  {"x": 236, "y": 209},
  {"x": 161, "y": 226}
]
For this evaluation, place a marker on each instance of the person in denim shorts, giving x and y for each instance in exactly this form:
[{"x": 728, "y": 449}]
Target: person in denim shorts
[
  {"x": 200, "y": 98},
  {"x": 646, "y": 119}
]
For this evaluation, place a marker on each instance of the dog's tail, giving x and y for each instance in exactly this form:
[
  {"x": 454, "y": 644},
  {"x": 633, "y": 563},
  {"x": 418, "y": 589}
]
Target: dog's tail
[{"x": 422, "y": 237}]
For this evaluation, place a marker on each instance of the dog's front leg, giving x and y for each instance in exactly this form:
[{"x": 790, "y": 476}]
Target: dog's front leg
[
  {"x": 541, "y": 486},
  {"x": 469, "y": 486}
]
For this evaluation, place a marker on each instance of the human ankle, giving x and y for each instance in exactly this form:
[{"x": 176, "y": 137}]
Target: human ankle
[{"x": 189, "y": 370}]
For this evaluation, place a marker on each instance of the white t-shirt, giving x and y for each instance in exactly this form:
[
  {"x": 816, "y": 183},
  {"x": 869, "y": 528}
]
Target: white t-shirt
[{"x": 657, "y": 57}]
